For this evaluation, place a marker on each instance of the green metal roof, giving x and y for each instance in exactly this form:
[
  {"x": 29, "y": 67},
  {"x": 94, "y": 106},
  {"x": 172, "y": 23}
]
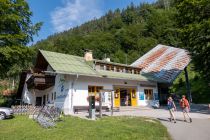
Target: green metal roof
[
  {"x": 67, "y": 63},
  {"x": 70, "y": 64},
  {"x": 118, "y": 75}
]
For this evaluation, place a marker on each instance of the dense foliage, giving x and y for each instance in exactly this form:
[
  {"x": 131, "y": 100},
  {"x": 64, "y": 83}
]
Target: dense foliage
[
  {"x": 16, "y": 27},
  {"x": 193, "y": 21},
  {"x": 123, "y": 35},
  {"x": 199, "y": 86},
  {"x": 16, "y": 30}
]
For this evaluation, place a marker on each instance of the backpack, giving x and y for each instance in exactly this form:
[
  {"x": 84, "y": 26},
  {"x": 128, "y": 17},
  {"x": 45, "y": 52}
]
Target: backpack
[
  {"x": 183, "y": 103},
  {"x": 170, "y": 105}
]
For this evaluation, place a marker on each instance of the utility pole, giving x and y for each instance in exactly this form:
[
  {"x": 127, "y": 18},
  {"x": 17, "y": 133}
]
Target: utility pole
[{"x": 187, "y": 85}]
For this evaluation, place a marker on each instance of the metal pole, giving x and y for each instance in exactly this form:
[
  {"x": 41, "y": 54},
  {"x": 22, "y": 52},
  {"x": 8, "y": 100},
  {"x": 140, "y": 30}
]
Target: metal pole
[
  {"x": 111, "y": 103},
  {"x": 187, "y": 84},
  {"x": 100, "y": 105},
  {"x": 92, "y": 114}
]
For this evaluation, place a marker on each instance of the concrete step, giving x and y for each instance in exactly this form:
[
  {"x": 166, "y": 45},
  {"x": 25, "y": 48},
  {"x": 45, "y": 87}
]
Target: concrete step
[{"x": 134, "y": 108}]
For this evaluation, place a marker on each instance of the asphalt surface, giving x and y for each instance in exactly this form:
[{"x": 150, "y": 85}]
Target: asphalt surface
[{"x": 199, "y": 129}]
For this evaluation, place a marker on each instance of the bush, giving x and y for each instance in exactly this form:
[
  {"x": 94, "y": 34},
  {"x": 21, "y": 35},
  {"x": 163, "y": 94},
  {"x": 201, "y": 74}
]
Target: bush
[{"x": 2, "y": 100}]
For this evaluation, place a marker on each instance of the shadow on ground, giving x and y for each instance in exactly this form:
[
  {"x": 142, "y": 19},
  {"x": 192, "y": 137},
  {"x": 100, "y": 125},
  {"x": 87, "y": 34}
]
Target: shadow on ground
[{"x": 195, "y": 108}]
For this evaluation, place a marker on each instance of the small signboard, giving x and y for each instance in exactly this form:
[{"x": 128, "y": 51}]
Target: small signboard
[{"x": 141, "y": 95}]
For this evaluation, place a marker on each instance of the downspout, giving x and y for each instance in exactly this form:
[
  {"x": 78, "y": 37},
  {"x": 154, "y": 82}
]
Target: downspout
[{"x": 72, "y": 91}]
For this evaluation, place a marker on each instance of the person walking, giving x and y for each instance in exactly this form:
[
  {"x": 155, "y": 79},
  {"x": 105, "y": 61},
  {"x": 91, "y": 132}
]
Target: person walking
[
  {"x": 171, "y": 108},
  {"x": 184, "y": 104}
]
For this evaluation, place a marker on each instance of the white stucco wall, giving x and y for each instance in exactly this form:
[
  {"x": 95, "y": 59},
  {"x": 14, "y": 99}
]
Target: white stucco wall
[
  {"x": 68, "y": 87},
  {"x": 80, "y": 92},
  {"x": 141, "y": 89},
  {"x": 63, "y": 92},
  {"x": 27, "y": 96}
]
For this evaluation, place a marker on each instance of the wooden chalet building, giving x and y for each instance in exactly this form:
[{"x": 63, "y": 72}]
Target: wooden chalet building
[{"x": 66, "y": 81}]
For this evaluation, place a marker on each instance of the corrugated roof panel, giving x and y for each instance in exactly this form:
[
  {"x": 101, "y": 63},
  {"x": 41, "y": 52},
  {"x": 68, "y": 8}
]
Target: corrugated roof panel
[
  {"x": 164, "y": 62},
  {"x": 67, "y": 63}
]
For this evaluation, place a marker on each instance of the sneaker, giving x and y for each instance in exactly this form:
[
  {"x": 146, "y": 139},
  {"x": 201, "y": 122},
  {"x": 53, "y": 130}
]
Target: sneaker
[
  {"x": 190, "y": 120},
  {"x": 185, "y": 120},
  {"x": 174, "y": 121}
]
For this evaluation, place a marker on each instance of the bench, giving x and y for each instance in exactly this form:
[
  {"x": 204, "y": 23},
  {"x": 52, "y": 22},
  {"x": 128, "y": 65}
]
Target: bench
[{"x": 86, "y": 108}]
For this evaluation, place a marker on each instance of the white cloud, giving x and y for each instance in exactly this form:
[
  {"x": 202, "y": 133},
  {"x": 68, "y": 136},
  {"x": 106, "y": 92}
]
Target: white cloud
[{"x": 74, "y": 13}]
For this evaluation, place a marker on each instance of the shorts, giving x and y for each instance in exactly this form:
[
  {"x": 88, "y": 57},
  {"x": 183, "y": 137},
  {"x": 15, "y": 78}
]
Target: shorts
[
  {"x": 185, "y": 110},
  {"x": 172, "y": 109}
]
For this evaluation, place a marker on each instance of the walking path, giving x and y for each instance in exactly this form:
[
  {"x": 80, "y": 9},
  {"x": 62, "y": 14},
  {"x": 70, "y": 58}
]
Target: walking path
[{"x": 199, "y": 129}]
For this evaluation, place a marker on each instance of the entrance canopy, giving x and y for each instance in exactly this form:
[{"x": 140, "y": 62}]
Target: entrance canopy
[{"x": 163, "y": 62}]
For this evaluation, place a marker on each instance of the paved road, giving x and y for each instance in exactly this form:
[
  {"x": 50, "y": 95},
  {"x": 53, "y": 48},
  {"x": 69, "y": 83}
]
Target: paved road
[{"x": 199, "y": 129}]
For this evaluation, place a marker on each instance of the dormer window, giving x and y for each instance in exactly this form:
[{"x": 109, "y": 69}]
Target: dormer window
[
  {"x": 116, "y": 67},
  {"x": 101, "y": 67},
  {"x": 136, "y": 71},
  {"x": 112, "y": 68},
  {"x": 119, "y": 69},
  {"x": 108, "y": 67},
  {"x": 128, "y": 70}
]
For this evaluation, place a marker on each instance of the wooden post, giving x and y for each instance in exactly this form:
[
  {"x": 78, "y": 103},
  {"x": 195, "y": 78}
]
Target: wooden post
[
  {"x": 100, "y": 105},
  {"x": 187, "y": 84},
  {"x": 111, "y": 103}
]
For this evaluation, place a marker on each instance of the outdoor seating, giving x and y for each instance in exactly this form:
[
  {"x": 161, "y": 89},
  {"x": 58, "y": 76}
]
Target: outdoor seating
[{"x": 86, "y": 108}]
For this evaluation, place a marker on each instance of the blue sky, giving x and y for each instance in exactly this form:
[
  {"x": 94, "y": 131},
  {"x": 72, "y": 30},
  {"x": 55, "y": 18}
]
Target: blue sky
[{"x": 61, "y": 15}]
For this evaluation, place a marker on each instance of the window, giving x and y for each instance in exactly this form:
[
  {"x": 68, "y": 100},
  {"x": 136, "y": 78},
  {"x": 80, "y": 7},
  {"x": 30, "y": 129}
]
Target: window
[
  {"x": 94, "y": 90},
  {"x": 108, "y": 68},
  {"x": 112, "y": 68},
  {"x": 101, "y": 67},
  {"x": 148, "y": 94},
  {"x": 128, "y": 70},
  {"x": 119, "y": 69},
  {"x": 136, "y": 71}
]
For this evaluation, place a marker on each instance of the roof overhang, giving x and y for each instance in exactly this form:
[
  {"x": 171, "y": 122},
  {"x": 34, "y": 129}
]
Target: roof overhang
[{"x": 163, "y": 63}]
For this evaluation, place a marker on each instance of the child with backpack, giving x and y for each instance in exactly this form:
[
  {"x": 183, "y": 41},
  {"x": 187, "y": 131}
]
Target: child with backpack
[
  {"x": 184, "y": 104},
  {"x": 171, "y": 108}
]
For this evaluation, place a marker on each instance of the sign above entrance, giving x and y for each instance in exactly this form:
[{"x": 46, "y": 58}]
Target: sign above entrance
[{"x": 147, "y": 85}]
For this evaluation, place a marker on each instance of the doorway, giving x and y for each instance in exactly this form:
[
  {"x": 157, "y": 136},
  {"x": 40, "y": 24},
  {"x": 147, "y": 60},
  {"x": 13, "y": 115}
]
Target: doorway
[
  {"x": 38, "y": 101},
  {"x": 125, "y": 98}
]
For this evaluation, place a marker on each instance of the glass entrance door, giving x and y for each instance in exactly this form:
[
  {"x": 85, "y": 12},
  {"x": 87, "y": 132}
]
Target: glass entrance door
[{"x": 125, "y": 97}]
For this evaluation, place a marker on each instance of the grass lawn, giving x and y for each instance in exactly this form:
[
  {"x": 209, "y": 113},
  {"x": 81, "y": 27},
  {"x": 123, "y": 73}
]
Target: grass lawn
[{"x": 111, "y": 128}]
